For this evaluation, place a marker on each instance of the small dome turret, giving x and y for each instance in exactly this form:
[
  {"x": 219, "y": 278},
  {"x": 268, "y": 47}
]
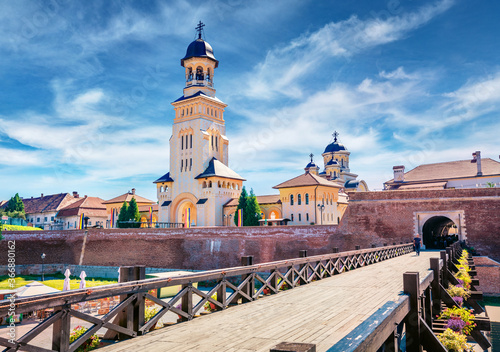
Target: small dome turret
[{"x": 199, "y": 48}]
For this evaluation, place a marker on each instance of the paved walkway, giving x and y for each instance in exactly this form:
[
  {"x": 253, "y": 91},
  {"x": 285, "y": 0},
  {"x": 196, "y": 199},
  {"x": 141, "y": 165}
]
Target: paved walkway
[{"x": 321, "y": 313}]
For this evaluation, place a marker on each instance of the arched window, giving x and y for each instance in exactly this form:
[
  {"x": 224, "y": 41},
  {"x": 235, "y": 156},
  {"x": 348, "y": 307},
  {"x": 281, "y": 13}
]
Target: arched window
[
  {"x": 191, "y": 141},
  {"x": 219, "y": 184},
  {"x": 291, "y": 217},
  {"x": 299, "y": 201},
  {"x": 307, "y": 216},
  {"x": 190, "y": 74},
  {"x": 182, "y": 142},
  {"x": 191, "y": 111},
  {"x": 291, "y": 199},
  {"x": 300, "y": 217},
  {"x": 209, "y": 184},
  {"x": 307, "y": 199},
  {"x": 209, "y": 75},
  {"x": 212, "y": 142},
  {"x": 199, "y": 74}
]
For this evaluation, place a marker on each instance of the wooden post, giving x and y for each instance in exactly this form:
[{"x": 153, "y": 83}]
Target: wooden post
[
  {"x": 139, "y": 304},
  {"x": 187, "y": 301},
  {"x": 303, "y": 254},
  {"x": 411, "y": 286},
  {"x": 61, "y": 330},
  {"x": 249, "y": 287},
  {"x": 357, "y": 247},
  {"x": 428, "y": 304},
  {"x": 335, "y": 249},
  {"x": 435, "y": 286},
  {"x": 443, "y": 256},
  {"x": 127, "y": 273}
]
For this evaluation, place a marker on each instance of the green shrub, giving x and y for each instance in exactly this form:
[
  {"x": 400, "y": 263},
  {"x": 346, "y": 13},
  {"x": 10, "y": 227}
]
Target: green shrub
[{"x": 89, "y": 345}]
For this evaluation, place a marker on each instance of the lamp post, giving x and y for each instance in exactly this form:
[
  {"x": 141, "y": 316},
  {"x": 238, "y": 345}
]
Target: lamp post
[
  {"x": 43, "y": 262},
  {"x": 321, "y": 207}
]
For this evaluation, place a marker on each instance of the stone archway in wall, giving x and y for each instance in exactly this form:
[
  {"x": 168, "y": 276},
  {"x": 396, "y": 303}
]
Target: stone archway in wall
[
  {"x": 179, "y": 206},
  {"x": 437, "y": 226}
]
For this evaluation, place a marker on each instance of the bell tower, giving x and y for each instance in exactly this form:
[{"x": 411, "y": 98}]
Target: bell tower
[{"x": 199, "y": 182}]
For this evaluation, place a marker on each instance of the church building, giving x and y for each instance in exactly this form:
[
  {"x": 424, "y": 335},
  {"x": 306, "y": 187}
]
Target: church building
[
  {"x": 201, "y": 190},
  {"x": 200, "y": 181}
]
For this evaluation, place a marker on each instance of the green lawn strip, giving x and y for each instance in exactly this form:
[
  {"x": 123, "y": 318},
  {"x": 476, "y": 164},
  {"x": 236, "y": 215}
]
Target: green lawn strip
[
  {"x": 19, "y": 228},
  {"x": 55, "y": 281}
]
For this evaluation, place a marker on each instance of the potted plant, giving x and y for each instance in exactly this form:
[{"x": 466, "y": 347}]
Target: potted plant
[{"x": 92, "y": 343}]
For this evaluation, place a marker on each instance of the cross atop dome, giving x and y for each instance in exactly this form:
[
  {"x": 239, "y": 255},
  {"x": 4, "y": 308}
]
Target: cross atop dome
[
  {"x": 335, "y": 135},
  {"x": 199, "y": 29},
  {"x": 311, "y": 156}
]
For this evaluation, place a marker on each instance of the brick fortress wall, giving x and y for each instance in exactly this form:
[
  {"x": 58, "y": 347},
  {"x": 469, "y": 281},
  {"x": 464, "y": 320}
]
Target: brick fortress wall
[
  {"x": 392, "y": 212},
  {"x": 195, "y": 248}
]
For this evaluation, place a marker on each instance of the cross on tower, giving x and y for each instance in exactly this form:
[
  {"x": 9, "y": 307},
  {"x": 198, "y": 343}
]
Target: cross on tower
[
  {"x": 335, "y": 135},
  {"x": 199, "y": 28},
  {"x": 311, "y": 156}
]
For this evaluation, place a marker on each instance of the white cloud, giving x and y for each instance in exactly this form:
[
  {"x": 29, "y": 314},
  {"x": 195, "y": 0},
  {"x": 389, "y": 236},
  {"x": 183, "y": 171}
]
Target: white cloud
[{"x": 282, "y": 68}]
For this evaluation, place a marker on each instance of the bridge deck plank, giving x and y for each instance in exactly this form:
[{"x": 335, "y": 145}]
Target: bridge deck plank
[{"x": 321, "y": 313}]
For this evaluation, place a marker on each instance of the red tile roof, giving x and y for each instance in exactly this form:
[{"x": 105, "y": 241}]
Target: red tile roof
[
  {"x": 308, "y": 180},
  {"x": 450, "y": 170},
  {"x": 127, "y": 197},
  {"x": 90, "y": 206},
  {"x": 49, "y": 203}
]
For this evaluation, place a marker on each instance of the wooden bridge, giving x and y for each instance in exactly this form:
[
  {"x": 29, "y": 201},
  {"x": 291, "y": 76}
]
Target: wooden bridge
[{"x": 360, "y": 310}]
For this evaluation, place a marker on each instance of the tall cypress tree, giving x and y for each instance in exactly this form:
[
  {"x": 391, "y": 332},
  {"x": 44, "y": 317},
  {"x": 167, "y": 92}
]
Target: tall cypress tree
[
  {"x": 242, "y": 204},
  {"x": 123, "y": 216},
  {"x": 252, "y": 211},
  {"x": 15, "y": 204},
  {"x": 133, "y": 212}
]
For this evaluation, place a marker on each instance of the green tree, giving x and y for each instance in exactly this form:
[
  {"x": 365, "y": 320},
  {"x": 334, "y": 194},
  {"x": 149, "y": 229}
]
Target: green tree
[
  {"x": 252, "y": 211},
  {"x": 15, "y": 208},
  {"x": 133, "y": 212},
  {"x": 490, "y": 185},
  {"x": 242, "y": 204},
  {"x": 123, "y": 216}
]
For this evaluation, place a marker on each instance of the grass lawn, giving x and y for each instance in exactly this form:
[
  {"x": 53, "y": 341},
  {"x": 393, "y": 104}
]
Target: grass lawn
[
  {"x": 19, "y": 228},
  {"x": 55, "y": 281}
]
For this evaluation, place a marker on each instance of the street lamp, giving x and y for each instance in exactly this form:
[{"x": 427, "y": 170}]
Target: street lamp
[
  {"x": 43, "y": 261},
  {"x": 321, "y": 207}
]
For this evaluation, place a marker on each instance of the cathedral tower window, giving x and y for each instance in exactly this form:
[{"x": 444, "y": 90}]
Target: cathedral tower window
[
  {"x": 291, "y": 200},
  {"x": 182, "y": 164},
  {"x": 190, "y": 163},
  {"x": 299, "y": 201},
  {"x": 300, "y": 217},
  {"x": 199, "y": 74},
  {"x": 191, "y": 141},
  {"x": 307, "y": 199},
  {"x": 209, "y": 184},
  {"x": 182, "y": 142},
  {"x": 186, "y": 169}
]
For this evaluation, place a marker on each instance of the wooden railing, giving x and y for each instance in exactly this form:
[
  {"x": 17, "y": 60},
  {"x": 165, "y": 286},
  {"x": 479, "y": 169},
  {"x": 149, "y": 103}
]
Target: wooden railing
[
  {"x": 413, "y": 314},
  {"x": 231, "y": 286}
]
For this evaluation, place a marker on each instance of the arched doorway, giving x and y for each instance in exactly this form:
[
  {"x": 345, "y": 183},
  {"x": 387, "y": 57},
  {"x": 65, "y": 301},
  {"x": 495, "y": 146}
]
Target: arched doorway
[
  {"x": 439, "y": 232},
  {"x": 182, "y": 212}
]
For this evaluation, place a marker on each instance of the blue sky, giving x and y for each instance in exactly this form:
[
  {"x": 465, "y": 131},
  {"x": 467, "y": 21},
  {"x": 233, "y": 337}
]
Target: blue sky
[{"x": 86, "y": 87}]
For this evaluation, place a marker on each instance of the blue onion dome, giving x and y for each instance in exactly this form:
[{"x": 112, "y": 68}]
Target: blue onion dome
[
  {"x": 311, "y": 164},
  {"x": 332, "y": 162},
  {"x": 199, "y": 48},
  {"x": 334, "y": 147}
]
